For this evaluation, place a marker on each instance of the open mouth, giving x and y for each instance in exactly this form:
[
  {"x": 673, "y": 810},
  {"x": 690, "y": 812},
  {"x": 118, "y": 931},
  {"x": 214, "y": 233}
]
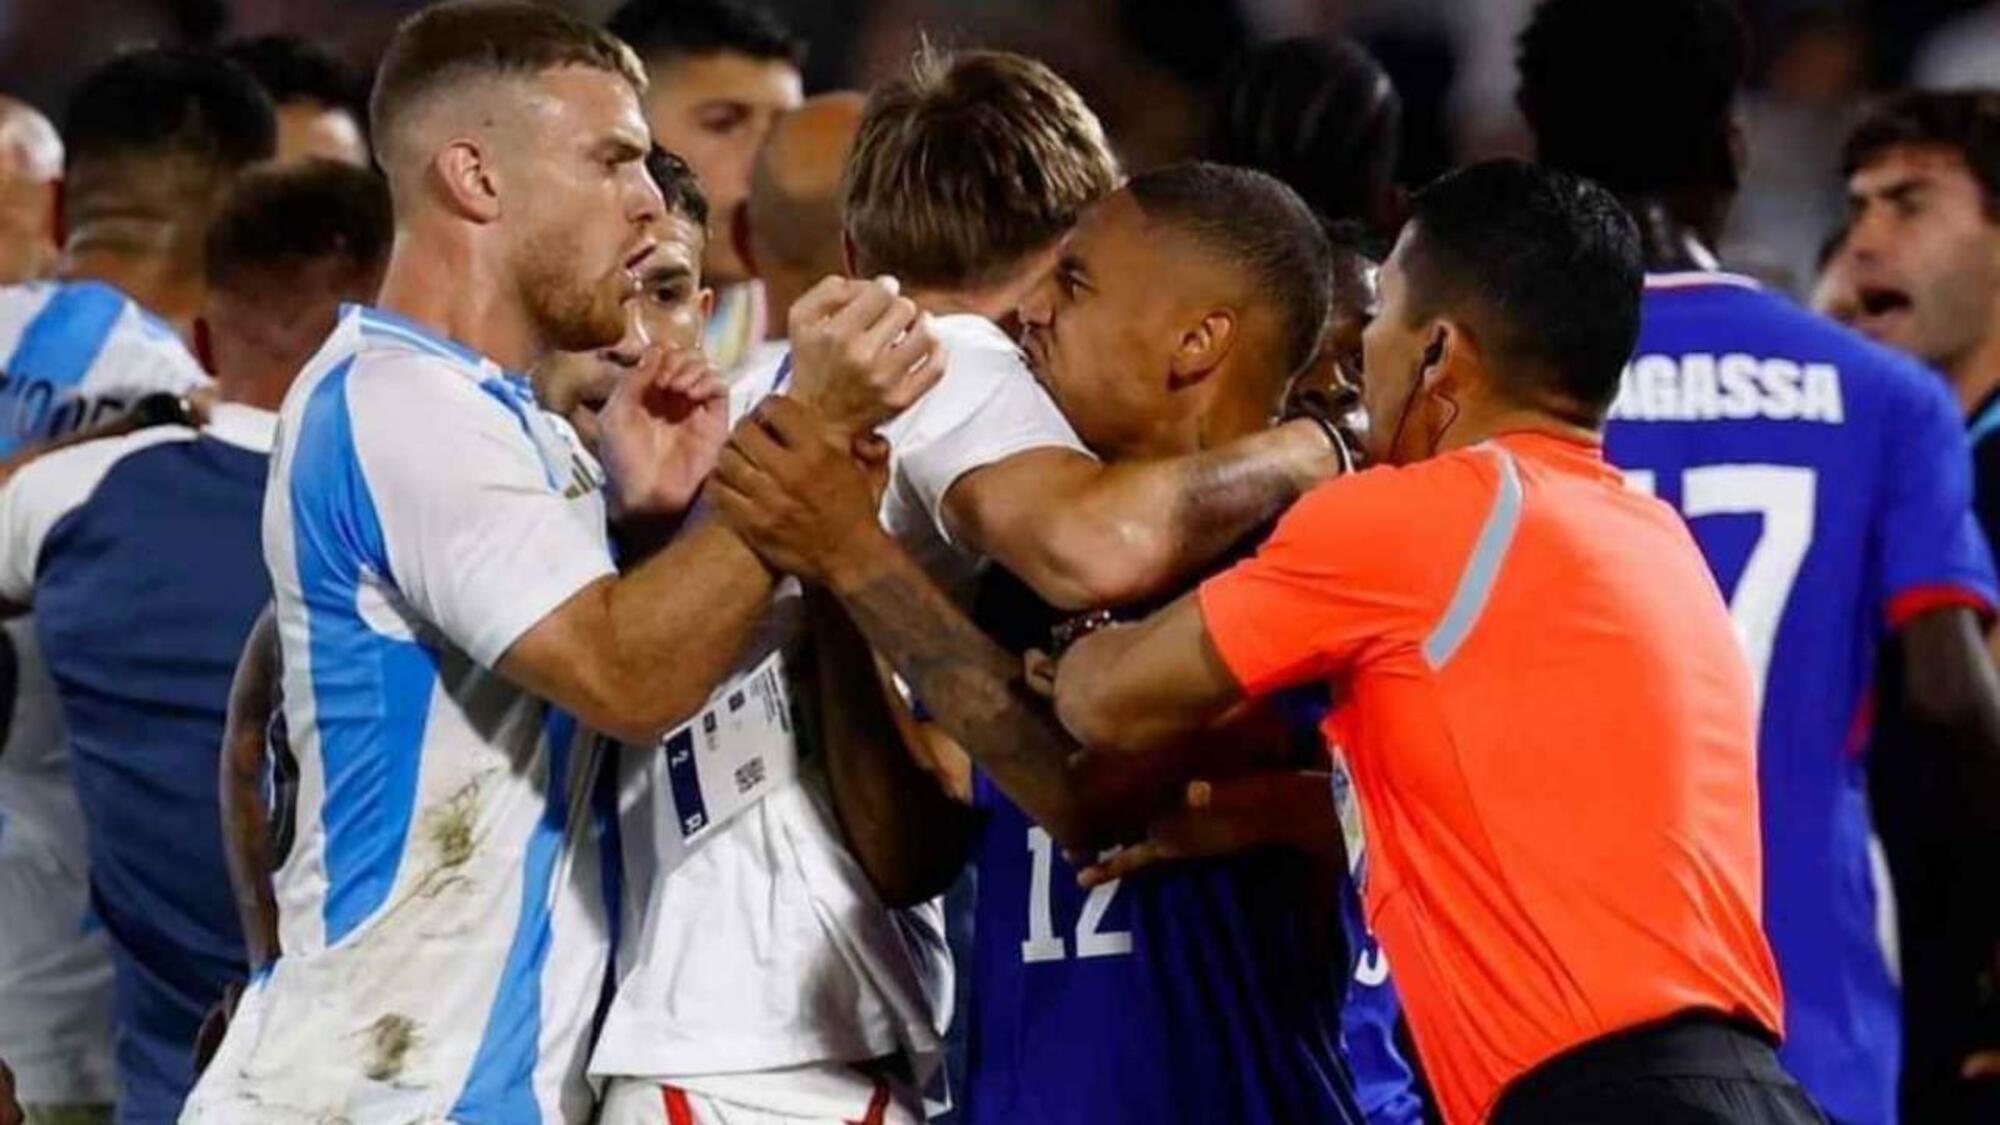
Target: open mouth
[{"x": 1879, "y": 303}]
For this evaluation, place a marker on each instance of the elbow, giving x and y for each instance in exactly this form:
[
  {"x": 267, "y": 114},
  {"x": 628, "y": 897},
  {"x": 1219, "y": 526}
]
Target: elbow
[
  {"x": 1099, "y": 564},
  {"x": 638, "y": 719},
  {"x": 1094, "y": 722}
]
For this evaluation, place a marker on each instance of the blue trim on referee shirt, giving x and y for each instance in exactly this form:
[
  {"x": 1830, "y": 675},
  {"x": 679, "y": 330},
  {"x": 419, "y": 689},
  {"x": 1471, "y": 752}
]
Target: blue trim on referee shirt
[
  {"x": 1475, "y": 584},
  {"x": 371, "y": 693},
  {"x": 500, "y": 1090}
]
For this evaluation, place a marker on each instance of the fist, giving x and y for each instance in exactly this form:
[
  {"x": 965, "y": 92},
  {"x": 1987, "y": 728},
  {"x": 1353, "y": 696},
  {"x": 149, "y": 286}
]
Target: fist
[{"x": 861, "y": 353}]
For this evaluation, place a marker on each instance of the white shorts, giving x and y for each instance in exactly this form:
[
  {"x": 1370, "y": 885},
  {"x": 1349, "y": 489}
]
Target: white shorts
[{"x": 641, "y": 1101}]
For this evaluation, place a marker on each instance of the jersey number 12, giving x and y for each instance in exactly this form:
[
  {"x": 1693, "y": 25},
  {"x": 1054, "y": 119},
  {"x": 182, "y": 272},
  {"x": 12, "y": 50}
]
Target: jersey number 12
[{"x": 1043, "y": 943}]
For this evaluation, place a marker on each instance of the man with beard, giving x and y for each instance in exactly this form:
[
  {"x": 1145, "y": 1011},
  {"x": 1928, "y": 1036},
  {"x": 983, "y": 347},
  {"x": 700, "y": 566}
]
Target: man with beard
[
  {"x": 437, "y": 548},
  {"x": 1212, "y": 985},
  {"x": 1826, "y": 481}
]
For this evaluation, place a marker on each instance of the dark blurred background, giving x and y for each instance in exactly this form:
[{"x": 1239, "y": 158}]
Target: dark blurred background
[{"x": 1145, "y": 64}]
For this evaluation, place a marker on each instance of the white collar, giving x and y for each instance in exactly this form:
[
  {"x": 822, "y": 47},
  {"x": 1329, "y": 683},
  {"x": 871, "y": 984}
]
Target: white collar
[
  {"x": 1695, "y": 279},
  {"x": 243, "y": 426}
]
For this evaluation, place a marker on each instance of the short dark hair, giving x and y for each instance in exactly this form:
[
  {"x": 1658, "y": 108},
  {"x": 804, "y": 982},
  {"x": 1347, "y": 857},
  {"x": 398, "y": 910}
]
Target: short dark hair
[
  {"x": 1319, "y": 114},
  {"x": 1635, "y": 94},
  {"x": 171, "y": 101},
  {"x": 1546, "y": 264},
  {"x": 442, "y": 45},
  {"x": 277, "y": 222},
  {"x": 1255, "y": 223},
  {"x": 967, "y": 164},
  {"x": 662, "y": 30},
  {"x": 292, "y": 69},
  {"x": 678, "y": 186},
  {"x": 1966, "y": 122}
]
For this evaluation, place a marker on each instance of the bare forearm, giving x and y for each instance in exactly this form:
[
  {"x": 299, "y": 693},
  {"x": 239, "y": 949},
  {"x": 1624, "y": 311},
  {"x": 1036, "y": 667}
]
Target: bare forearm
[
  {"x": 1952, "y": 703},
  {"x": 911, "y": 837},
  {"x": 976, "y": 692},
  {"x": 1143, "y": 527},
  {"x": 679, "y": 622}
]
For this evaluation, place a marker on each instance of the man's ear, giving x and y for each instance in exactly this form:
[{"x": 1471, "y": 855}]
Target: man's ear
[
  {"x": 1451, "y": 358},
  {"x": 466, "y": 179},
  {"x": 1202, "y": 347},
  {"x": 706, "y": 302}
]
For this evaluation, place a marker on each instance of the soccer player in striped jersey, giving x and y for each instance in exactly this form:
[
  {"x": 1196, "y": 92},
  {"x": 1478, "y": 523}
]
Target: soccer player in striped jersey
[
  {"x": 1827, "y": 482},
  {"x": 140, "y": 556},
  {"x": 154, "y": 138}
]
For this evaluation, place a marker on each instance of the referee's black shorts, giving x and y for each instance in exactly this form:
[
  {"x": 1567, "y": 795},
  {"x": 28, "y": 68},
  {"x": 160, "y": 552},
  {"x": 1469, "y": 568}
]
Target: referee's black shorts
[{"x": 1699, "y": 1068}]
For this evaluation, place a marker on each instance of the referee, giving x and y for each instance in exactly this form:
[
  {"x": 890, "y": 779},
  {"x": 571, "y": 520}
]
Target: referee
[{"x": 1542, "y": 707}]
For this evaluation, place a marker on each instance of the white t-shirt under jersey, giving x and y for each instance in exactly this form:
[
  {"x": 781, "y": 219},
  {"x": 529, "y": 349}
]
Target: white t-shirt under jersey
[
  {"x": 442, "y": 912},
  {"x": 767, "y": 948}
]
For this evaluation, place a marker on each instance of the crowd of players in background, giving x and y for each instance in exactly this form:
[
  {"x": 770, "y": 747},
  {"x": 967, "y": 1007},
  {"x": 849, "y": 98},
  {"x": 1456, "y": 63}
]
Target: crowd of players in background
[{"x": 289, "y": 833}]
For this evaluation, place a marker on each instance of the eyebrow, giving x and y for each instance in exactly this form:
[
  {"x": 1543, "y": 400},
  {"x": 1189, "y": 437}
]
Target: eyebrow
[
  {"x": 1898, "y": 191},
  {"x": 621, "y": 149},
  {"x": 662, "y": 275}
]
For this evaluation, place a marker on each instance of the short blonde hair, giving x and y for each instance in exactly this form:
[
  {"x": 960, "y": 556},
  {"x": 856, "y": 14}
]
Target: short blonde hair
[{"x": 967, "y": 164}]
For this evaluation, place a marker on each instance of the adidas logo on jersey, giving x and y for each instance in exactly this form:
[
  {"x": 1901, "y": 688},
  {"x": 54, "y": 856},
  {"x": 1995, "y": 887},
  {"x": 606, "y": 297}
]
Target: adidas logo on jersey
[{"x": 1705, "y": 388}]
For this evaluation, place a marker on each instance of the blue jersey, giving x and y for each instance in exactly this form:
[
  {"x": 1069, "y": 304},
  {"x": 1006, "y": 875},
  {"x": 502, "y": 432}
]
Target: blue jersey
[
  {"x": 1827, "y": 482},
  {"x": 140, "y": 555},
  {"x": 1202, "y": 992}
]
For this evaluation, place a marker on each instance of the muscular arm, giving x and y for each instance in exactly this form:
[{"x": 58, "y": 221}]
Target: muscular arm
[
  {"x": 1145, "y": 688},
  {"x": 910, "y": 832},
  {"x": 1087, "y": 535},
  {"x": 1952, "y": 701},
  {"x": 246, "y": 820},
  {"x": 635, "y": 655},
  {"x": 975, "y": 691}
]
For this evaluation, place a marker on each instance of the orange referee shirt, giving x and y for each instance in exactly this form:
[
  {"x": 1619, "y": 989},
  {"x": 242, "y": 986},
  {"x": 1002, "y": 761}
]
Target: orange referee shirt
[{"x": 1550, "y": 726}]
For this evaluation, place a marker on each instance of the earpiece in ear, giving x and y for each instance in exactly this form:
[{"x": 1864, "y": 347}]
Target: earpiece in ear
[{"x": 1434, "y": 351}]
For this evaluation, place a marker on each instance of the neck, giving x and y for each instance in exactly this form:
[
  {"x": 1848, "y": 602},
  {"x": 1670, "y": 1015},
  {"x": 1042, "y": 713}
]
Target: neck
[
  {"x": 1482, "y": 421},
  {"x": 444, "y": 285},
  {"x": 1976, "y": 375},
  {"x": 1677, "y": 233},
  {"x": 998, "y": 302},
  {"x": 168, "y": 289},
  {"x": 782, "y": 290}
]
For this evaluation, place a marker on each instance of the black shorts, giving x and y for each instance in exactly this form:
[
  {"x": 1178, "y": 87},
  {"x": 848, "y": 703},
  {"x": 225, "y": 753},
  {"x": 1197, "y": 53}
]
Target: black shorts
[{"x": 1695, "y": 1069}]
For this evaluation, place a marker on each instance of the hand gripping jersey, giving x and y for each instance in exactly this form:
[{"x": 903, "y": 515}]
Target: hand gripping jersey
[
  {"x": 442, "y": 910},
  {"x": 756, "y": 945},
  {"x": 1826, "y": 480}
]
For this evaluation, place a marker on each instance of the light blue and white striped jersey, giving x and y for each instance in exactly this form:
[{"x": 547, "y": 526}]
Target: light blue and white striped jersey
[
  {"x": 442, "y": 912},
  {"x": 76, "y": 352}
]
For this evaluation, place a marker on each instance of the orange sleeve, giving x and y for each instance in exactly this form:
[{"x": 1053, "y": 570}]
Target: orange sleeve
[{"x": 1336, "y": 578}]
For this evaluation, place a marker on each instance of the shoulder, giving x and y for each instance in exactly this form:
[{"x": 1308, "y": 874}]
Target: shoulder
[
  {"x": 70, "y": 475},
  {"x": 982, "y": 366}
]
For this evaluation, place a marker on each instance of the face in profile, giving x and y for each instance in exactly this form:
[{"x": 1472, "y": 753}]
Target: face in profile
[
  {"x": 1336, "y": 366},
  {"x": 714, "y": 111},
  {"x": 1393, "y": 350},
  {"x": 1922, "y": 256},
  {"x": 577, "y": 183},
  {"x": 670, "y": 311},
  {"x": 1101, "y": 328}
]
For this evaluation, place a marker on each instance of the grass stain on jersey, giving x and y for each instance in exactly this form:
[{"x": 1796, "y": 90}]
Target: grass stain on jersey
[{"x": 390, "y": 1041}]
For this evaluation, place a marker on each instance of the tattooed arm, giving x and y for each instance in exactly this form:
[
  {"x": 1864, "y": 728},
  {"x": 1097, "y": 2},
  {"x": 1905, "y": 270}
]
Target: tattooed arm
[
  {"x": 902, "y": 798},
  {"x": 1086, "y": 534},
  {"x": 806, "y": 508}
]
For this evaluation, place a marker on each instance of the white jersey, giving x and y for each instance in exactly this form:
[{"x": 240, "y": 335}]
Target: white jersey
[
  {"x": 766, "y": 948},
  {"x": 55, "y": 960},
  {"x": 71, "y": 353},
  {"x": 77, "y": 352},
  {"x": 442, "y": 911}
]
